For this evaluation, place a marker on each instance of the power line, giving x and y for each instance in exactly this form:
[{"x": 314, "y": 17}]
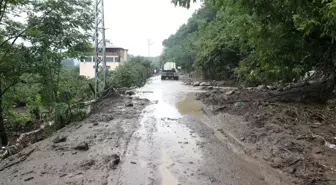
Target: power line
[
  {"x": 149, "y": 44},
  {"x": 100, "y": 46}
]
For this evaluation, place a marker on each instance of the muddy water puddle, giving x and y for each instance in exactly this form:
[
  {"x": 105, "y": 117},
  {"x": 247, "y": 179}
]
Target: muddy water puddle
[
  {"x": 189, "y": 106},
  {"x": 164, "y": 149}
]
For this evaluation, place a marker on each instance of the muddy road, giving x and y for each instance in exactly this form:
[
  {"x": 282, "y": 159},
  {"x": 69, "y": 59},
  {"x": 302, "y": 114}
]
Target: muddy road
[
  {"x": 175, "y": 144},
  {"x": 167, "y": 140}
]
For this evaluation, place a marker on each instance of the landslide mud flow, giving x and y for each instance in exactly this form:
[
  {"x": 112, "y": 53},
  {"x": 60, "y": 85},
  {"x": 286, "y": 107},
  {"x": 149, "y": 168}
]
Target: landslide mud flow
[
  {"x": 168, "y": 141},
  {"x": 175, "y": 145}
]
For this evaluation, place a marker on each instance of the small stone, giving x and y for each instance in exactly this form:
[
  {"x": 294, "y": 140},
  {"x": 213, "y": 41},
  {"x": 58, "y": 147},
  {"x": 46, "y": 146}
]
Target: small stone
[
  {"x": 115, "y": 159},
  {"x": 129, "y": 104},
  {"x": 132, "y": 162},
  {"x": 82, "y": 146},
  {"x": 129, "y": 92},
  {"x": 185, "y": 142},
  {"x": 59, "y": 139},
  {"x": 205, "y": 84},
  {"x": 261, "y": 87},
  {"x": 95, "y": 124},
  {"x": 237, "y": 104},
  {"x": 229, "y": 92},
  {"x": 242, "y": 138},
  {"x": 277, "y": 162},
  {"x": 197, "y": 83},
  {"x": 271, "y": 87},
  {"x": 210, "y": 88},
  {"x": 74, "y": 153}
]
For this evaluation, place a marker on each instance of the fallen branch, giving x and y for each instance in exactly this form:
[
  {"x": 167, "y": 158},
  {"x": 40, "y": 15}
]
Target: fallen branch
[{"x": 23, "y": 158}]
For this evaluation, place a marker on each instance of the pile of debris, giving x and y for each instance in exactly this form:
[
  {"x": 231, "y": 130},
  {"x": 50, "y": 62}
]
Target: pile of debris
[{"x": 292, "y": 127}]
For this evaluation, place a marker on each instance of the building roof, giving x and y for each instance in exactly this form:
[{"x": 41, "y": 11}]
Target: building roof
[{"x": 110, "y": 45}]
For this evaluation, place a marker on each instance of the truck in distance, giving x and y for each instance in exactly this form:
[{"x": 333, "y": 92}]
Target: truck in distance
[{"x": 169, "y": 71}]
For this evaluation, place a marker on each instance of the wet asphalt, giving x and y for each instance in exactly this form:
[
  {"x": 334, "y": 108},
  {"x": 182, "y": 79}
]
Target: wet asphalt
[{"x": 175, "y": 146}]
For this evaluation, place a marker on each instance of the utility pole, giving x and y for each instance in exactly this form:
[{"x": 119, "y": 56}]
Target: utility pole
[
  {"x": 149, "y": 44},
  {"x": 100, "y": 45}
]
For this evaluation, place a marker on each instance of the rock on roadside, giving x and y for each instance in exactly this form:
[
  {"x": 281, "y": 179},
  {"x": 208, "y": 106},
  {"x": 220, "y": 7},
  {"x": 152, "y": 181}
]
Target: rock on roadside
[
  {"x": 83, "y": 146},
  {"x": 129, "y": 104},
  {"x": 115, "y": 159},
  {"x": 205, "y": 84},
  {"x": 129, "y": 92},
  {"x": 261, "y": 87},
  {"x": 59, "y": 139},
  {"x": 197, "y": 83}
]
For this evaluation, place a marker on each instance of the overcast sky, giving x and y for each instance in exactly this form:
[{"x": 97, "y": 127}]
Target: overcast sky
[{"x": 130, "y": 23}]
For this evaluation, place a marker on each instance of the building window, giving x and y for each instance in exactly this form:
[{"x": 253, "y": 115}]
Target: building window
[
  {"x": 117, "y": 59},
  {"x": 108, "y": 49},
  {"x": 109, "y": 59}
]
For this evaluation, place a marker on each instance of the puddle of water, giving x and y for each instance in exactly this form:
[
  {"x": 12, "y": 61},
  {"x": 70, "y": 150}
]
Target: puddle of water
[
  {"x": 167, "y": 178},
  {"x": 189, "y": 106}
]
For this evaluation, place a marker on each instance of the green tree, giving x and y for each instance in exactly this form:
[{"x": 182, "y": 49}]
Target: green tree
[{"x": 51, "y": 31}]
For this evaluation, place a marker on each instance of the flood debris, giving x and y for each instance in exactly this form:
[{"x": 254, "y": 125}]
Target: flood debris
[
  {"x": 29, "y": 178},
  {"x": 59, "y": 139},
  {"x": 114, "y": 161},
  {"x": 129, "y": 92},
  {"x": 197, "y": 83},
  {"x": 129, "y": 104},
  {"x": 290, "y": 131},
  {"x": 205, "y": 84},
  {"x": 82, "y": 146}
]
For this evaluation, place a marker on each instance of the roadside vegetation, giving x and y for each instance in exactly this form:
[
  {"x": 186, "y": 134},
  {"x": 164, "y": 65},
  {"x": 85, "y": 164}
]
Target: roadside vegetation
[
  {"x": 281, "y": 57},
  {"x": 256, "y": 41},
  {"x": 36, "y": 90}
]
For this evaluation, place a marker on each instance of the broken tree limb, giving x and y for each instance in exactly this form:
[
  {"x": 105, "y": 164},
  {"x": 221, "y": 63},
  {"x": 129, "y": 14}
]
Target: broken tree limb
[
  {"x": 21, "y": 159},
  {"x": 318, "y": 92}
]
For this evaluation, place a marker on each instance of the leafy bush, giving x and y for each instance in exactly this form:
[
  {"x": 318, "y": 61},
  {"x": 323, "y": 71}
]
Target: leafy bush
[
  {"x": 131, "y": 74},
  {"x": 258, "y": 42},
  {"x": 18, "y": 121}
]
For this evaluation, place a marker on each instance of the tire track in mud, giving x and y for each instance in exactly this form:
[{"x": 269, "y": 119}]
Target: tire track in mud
[{"x": 136, "y": 158}]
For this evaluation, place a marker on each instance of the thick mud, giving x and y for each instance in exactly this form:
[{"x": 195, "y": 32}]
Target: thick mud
[
  {"x": 176, "y": 145},
  {"x": 86, "y": 156},
  {"x": 296, "y": 139},
  {"x": 168, "y": 140}
]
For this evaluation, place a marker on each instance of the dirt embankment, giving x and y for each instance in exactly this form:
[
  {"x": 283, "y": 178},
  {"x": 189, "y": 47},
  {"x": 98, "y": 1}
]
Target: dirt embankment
[
  {"x": 82, "y": 153},
  {"x": 298, "y": 139}
]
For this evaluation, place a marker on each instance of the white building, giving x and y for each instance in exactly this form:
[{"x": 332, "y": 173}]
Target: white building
[{"x": 115, "y": 56}]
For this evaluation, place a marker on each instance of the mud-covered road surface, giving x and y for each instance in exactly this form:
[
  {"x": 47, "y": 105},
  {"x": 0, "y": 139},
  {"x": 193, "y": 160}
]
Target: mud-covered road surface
[
  {"x": 165, "y": 141},
  {"x": 175, "y": 145}
]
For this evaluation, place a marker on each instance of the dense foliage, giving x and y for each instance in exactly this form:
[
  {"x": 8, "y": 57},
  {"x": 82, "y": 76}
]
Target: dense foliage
[
  {"x": 256, "y": 41},
  {"x": 131, "y": 74},
  {"x": 35, "y": 37}
]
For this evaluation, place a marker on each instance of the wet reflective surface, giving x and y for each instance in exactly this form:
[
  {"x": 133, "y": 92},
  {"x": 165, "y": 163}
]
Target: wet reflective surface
[{"x": 174, "y": 145}]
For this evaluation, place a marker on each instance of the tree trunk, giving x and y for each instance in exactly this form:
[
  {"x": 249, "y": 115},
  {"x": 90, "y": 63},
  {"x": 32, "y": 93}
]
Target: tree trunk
[{"x": 3, "y": 134}]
